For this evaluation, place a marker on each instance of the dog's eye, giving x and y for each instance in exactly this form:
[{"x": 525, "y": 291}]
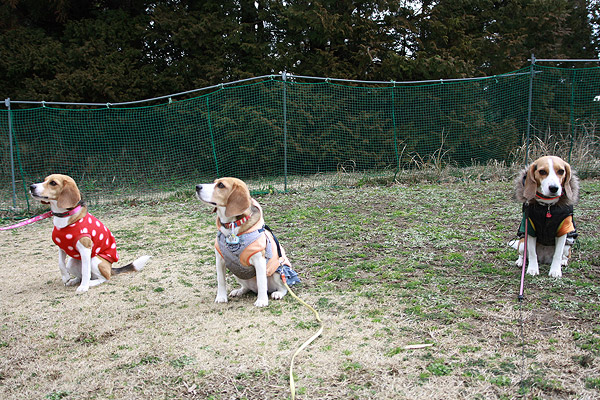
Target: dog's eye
[
  {"x": 53, "y": 183},
  {"x": 542, "y": 172},
  {"x": 220, "y": 185},
  {"x": 560, "y": 172}
]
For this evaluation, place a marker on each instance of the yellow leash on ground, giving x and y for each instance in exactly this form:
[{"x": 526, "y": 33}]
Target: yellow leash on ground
[{"x": 309, "y": 341}]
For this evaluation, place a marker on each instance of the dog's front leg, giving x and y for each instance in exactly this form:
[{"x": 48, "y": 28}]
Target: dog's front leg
[
  {"x": 557, "y": 258},
  {"x": 260, "y": 265},
  {"x": 84, "y": 246},
  {"x": 62, "y": 266},
  {"x": 532, "y": 259},
  {"x": 221, "y": 283}
]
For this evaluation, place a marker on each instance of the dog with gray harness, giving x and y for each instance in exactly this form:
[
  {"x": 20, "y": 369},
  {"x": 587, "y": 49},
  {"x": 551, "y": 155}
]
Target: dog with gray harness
[{"x": 244, "y": 244}]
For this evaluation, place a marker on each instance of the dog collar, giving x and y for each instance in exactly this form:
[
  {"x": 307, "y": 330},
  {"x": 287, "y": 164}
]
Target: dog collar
[
  {"x": 542, "y": 197},
  {"x": 68, "y": 213},
  {"x": 237, "y": 223}
]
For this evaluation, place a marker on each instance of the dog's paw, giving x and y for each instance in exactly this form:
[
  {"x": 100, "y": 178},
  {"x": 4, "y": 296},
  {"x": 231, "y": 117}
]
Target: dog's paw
[
  {"x": 72, "y": 281},
  {"x": 238, "y": 292},
  {"x": 82, "y": 289},
  {"x": 261, "y": 302},
  {"x": 221, "y": 299},
  {"x": 555, "y": 272},
  {"x": 533, "y": 270},
  {"x": 278, "y": 295},
  {"x": 519, "y": 261}
]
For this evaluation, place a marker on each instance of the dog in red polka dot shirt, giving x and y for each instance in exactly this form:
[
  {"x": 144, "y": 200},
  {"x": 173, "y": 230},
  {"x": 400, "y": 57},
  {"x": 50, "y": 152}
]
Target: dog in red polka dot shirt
[{"x": 91, "y": 247}]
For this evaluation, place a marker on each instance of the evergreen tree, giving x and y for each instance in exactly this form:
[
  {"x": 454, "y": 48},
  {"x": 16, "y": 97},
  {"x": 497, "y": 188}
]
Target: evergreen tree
[{"x": 111, "y": 51}]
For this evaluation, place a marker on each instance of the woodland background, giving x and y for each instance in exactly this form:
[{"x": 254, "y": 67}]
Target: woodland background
[{"x": 124, "y": 50}]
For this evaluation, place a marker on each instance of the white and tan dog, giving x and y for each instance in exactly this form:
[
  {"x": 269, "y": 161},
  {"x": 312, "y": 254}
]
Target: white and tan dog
[
  {"x": 78, "y": 234},
  {"x": 548, "y": 189},
  {"x": 243, "y": 245}
]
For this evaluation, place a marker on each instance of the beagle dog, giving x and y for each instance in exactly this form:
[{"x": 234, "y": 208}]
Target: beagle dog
[
  {"x": 548, "y": 189},
  {"x": 89, "y": 244},
  {"x": 244, "y": 244}
]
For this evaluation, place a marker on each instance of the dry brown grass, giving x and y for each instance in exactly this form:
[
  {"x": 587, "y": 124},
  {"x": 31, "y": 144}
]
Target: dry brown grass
[{"x": 389, "y": 275}]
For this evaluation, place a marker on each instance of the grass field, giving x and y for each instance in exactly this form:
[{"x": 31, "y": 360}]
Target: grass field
[{"x": 386, "y": 266}]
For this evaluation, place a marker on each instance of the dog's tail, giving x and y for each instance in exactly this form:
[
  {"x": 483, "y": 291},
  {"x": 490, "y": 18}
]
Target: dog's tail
[{"x": 135, "y": 266}]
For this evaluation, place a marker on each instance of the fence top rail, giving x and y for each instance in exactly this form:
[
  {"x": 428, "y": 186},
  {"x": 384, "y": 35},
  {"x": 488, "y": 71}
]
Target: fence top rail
[
  {"x": 125, "y": 103},
  {"x": 392, "y": 82},
  {"x": 285, "y": 76},
  {"x": 534, "y": 60}
]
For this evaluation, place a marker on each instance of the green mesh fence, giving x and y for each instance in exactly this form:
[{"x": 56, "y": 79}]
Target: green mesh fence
[{"x": 286, "y": 134}]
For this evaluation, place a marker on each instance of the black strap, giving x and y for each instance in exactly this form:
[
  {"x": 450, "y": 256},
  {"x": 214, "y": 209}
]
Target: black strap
[{"x": 274, "y": 238}]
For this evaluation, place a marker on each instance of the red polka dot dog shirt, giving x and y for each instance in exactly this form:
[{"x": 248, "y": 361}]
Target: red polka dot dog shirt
[{"x": 104, "y": 244}]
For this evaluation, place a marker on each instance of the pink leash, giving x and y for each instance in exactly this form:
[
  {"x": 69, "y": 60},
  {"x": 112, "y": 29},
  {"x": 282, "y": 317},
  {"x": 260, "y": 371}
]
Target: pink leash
[
  {"x": 521, "y": 289},
  {"x": 28, "y": 221},
  {"x": 41, "y": 217}
]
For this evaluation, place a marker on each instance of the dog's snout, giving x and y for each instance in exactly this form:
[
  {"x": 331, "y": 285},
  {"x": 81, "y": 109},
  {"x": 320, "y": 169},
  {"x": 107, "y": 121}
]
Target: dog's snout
[
  {"x": 553, "y": 189},
  {"x": 198, "y": 188},
  {"x": 32, "y": 187}
]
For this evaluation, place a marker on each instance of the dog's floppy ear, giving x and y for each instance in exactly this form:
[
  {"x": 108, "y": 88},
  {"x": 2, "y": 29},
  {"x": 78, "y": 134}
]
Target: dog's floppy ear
[
  {"x": 238, "y": 200},
  {"x": 567, "y": 182},
  {"x": 69, "y": 196},
  {"x": 530, "y": 182}
]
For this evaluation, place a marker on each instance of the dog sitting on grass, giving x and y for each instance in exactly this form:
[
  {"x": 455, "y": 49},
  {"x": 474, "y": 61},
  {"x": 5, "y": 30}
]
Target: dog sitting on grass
[{"x": 548, "y": 189}]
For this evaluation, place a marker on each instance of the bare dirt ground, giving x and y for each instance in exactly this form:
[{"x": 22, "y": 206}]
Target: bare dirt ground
[{"x": 385, "y": 266}]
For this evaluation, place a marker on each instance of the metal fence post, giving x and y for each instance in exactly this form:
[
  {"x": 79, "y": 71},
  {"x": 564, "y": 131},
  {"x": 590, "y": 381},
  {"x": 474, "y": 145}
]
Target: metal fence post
[
  {"x": 285, "y": 166},
  {"x": 212, "y": 137},
  {"x": 572, "y": 112},
  {"x": 531, "y": 73},
  {"x": 394, "y": 127},
  {"x": 12, "y": 157}
]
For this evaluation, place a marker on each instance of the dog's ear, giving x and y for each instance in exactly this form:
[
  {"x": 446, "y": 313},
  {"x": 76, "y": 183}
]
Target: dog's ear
[
  {"x": 530, "y": 182},
  {"x": 69, "y": 196},
  {"x": 238, "y": 200},
  {"x": 567, "y": 181}
]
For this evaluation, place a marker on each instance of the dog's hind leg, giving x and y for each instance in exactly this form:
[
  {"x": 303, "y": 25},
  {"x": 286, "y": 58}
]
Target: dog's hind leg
[
  {"x": 242, "y": 290},
  {"x": 276, "y": 286},
  {"x": 89, "y": 266},
  {"x": 97, "y": 275},
  {"x": 73, "y": 271},
  {"x": 63, "y": 267},
  {"x": 74, "y": 267}
]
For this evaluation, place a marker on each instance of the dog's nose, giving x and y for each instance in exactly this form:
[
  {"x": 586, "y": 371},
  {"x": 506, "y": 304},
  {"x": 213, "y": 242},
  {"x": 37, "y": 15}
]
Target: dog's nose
[
  {"x": 198, "y": 188},
  {"x": 553, "y": 189},
  {"x": 32, "y": 187}
]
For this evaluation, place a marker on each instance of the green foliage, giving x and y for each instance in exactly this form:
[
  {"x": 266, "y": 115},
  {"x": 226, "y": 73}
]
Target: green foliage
[
  {"x": 57, "y": 395},
  {"x": 439, "y": 368},
  {"x": 107, "y": 51}
]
